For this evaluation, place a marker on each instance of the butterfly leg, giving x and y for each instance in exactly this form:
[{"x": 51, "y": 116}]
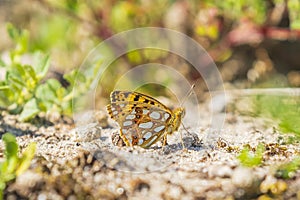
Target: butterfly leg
[
  {"x": 182, "y": 143},
  {"x": 164, "y": 140},
  {"x": 124, "y": 139}
]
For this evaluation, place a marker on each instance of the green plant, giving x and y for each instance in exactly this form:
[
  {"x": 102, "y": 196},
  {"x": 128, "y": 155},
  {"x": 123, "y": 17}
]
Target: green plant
[
  {"x": 24, "y": 90},
  {"x": 283, "y": 109},
  {"x": 13, "y": 165},
  {"x": 255, "y": 10},
  {"x": 288, "y": 170},
  {"x": 251, "y": 159}
]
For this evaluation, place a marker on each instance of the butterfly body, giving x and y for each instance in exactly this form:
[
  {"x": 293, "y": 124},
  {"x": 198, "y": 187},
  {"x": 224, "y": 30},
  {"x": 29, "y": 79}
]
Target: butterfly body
[{"x": 142, "y": 119}]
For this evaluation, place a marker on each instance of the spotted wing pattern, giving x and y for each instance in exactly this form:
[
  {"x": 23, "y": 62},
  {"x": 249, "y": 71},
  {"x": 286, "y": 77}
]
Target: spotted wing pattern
[{"x": 143, "y": 120}]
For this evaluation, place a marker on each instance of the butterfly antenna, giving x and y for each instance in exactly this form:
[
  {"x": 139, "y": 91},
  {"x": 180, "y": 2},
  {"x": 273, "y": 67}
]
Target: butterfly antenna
[
  {"x": 187, "y": 95},
  {"x": 183, "y": 101}
]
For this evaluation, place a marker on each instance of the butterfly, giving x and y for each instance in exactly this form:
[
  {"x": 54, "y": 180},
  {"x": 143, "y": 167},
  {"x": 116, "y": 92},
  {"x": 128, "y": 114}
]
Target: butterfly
[{"x": 143, "y": 120}]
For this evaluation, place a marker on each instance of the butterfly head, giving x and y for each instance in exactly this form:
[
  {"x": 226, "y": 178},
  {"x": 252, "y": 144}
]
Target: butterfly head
[{"x": 178, "y": 116}]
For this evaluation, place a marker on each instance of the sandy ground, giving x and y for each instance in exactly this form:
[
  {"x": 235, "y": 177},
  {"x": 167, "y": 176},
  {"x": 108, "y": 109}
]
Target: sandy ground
[{"x": 83, "y": 163}]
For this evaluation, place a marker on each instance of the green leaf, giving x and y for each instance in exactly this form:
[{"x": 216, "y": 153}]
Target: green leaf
[
  {"x": 57, "y": 89},
  {"x": 288, "y": 170},
  {"x": 22, "y": 42},
  {"x": 11, "y": 154},
  {"x": 11, "y": 146},
  {"x": 20, "y": 37},
  {"x": 44, "y": 93},
  {"x": 250, "y": 159},
  {"x": 54, "y": 84},
  {"x": 26, "y": 158},
  {"x": 14, "y": 83},
  {"x": 41, "y": 64},
  {"x": 18, "y": 70},
  {"x": 12, "y": 31},
  {"x": 30, "y": 71},
  {"x": 4, "y": 87},
  {"x": 48, "y": 95},
  {"x": 30, "y": 110},
  {"x": 5, "y": 174},
  {"x": 73, "y": 76},
  {"x": 13, "y": 166},
  {"x": 48, "y": 91}
]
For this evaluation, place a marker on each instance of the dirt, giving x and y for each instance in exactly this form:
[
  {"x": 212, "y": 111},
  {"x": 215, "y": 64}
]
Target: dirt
[{"x": 83, "y": 162}]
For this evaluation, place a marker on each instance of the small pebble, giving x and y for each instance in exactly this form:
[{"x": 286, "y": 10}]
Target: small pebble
[
  {"x": 242, "y": 177},
  {"x": 222, "y": 171}
]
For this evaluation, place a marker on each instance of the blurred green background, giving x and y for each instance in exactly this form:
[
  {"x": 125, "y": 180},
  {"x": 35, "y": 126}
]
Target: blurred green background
[{"x": 249, "y": 40}]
